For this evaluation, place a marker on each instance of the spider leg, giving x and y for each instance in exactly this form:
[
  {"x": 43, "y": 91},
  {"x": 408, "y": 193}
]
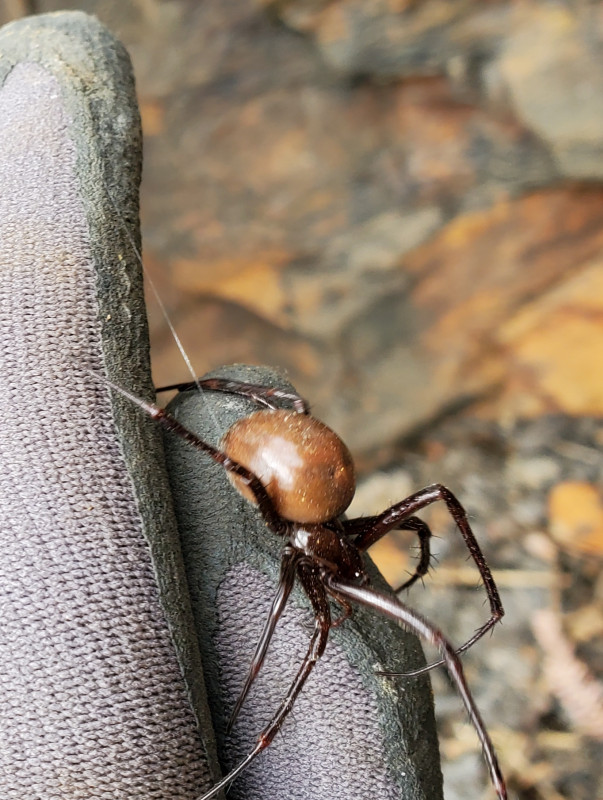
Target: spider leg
[
  {"x": 423, "y": 531},
  {"x": 346, "y": 612},
  {"x": 368, "y": 531},
  {"x": 285, "y": 585},
  {"x": 400, "y": 512},
  {"x": 265, "y": 505},
  {"x": 417, "y": 624},
  {"x": 262, "y": 395},
  {"x": 313, "y": 585}
]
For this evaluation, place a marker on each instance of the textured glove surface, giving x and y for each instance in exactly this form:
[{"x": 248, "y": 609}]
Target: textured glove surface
[{"x": 92, "y": 699}]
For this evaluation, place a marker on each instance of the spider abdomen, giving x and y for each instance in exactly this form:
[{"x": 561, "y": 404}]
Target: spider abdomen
[{"x": 305, "y": 467}]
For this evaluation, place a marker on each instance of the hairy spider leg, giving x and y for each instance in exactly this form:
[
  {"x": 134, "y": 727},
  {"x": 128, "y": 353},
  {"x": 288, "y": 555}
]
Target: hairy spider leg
[
  {"x": 418, "y": 625},
  {"x": 399, "y": 513},
  {"x": 264, "y": 503},
  {"x": 311, "y": 581},
  {"x": 262, "y": 395},
  {"x": 289, "y": 562},
  {"x": 364, "y": 527}
]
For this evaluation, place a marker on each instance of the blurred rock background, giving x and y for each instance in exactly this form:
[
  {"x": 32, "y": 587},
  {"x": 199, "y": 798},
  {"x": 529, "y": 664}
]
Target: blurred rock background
[{"x": 401, "y": 203}]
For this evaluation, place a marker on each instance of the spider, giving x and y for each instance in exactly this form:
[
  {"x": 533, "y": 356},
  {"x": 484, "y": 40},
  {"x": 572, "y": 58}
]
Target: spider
[{"x": 300, "y": 475}]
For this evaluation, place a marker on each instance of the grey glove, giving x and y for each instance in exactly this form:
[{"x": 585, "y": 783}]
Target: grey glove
[{"x": 101, "y": 687}]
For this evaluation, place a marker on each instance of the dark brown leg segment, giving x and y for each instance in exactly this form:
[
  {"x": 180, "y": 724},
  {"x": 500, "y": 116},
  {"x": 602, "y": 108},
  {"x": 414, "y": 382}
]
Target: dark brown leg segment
[
  {"x": 398, "y": 515},
  {"x": 417, "y": 624},
  {"x": 312, "y": 583},
  {"x": 262, "y": 395},
  {"x": 273, "y": 519},
  {"x": 285, "y": 585},
  {"x": 368, "y": 531}
]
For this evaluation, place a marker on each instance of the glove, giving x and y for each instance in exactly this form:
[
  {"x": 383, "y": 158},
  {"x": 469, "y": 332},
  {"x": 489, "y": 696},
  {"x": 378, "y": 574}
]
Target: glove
[{"x": 102, "y": 690}]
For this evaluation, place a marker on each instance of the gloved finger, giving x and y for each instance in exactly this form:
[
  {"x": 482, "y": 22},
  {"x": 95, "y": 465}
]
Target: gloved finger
[
  {"x": 351, "y": 734},
  {"x": 100, "y": 668}
]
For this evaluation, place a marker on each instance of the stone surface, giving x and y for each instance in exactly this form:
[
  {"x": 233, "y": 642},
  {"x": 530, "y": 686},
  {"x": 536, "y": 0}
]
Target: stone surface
[
  {"x": 370, "y": 195},
  {"x": 552, "y": 65},
  {"x": 307, "y": 161}
]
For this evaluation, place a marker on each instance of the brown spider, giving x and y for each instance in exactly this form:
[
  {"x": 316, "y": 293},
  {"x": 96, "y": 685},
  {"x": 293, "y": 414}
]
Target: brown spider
[{"x": 300, "y": 475}]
